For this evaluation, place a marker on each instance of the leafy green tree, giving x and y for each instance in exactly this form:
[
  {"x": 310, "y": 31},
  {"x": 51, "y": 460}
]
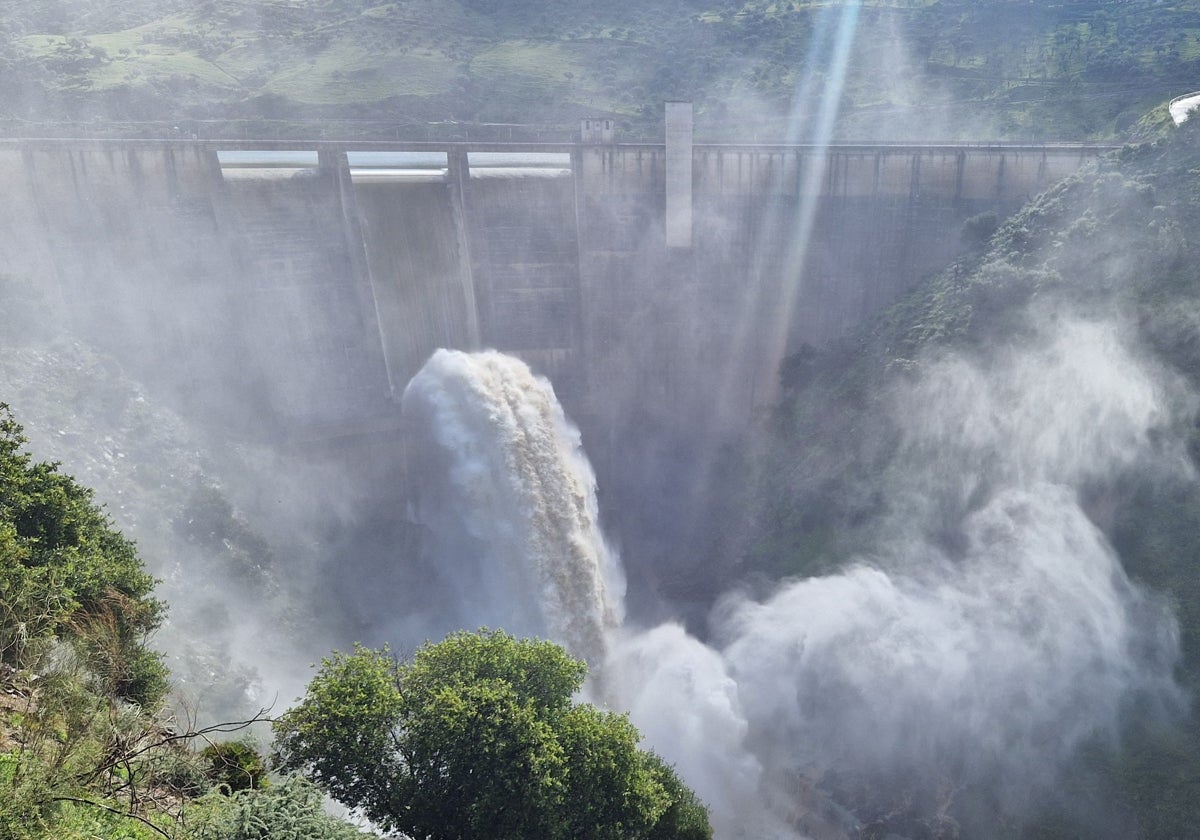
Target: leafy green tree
[
  {"x": 477, "y": 737},
  {"x": 66, "y": 573},
  {"x": 686, "y": 818}
]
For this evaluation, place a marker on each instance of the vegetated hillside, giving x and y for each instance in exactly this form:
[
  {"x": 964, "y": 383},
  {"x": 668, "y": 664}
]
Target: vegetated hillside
[
  {"x": 87, "y": 747},
  {"x": 90, "y": 748},
  {"x": 412, "y": 68},
  {"x": 193, "y": 500},
  {"x": 1097, "y": 277}
]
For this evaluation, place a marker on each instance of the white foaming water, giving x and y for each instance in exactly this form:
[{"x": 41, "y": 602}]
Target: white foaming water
[
  {"x": 510, "y": 501},
  {"x": 989, "y": 670},
  {"x": 680, "y": 695},
  {"x": 983, "y": 666}
]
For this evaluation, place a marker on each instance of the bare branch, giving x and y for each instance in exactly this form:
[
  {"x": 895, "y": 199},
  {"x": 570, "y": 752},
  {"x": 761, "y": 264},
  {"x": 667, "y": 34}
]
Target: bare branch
[{"x": 261, "y": 716}]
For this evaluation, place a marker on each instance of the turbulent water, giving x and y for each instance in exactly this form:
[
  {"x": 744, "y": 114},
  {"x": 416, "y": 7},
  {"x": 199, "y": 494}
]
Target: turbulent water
[
  {"x": 993, "y": 632},
  {"x": 509, "y": 501},
  {"x": 995, "y": 629}
]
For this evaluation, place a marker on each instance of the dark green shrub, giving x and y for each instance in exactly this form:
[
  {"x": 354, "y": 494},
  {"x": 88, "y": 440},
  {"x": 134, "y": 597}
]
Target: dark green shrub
[
  {"x": 182, "y": 773},
  {"x": 686, "y": 818},
  {"x": 977, "y": 230},
  {"x": 235, "y": 765}
]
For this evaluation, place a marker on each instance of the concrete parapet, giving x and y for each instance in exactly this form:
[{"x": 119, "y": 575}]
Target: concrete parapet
[{"x": 985, "y": 172}]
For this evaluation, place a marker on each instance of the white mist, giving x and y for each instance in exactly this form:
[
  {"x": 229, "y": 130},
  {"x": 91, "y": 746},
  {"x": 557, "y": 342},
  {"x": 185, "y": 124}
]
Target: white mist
[{"x": 985, "y": 664}]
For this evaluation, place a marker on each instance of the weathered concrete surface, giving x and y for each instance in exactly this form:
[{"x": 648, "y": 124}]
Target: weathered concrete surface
[
  {"x": 304, "y": 296},
  {"x": 293, "y": 296}
]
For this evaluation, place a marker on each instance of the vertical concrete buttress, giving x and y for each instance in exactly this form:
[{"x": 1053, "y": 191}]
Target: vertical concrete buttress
[
  {"x": 679, "y": 174},
  {"x": 583, "y": 336},
  {"x": 458, "y": 181},
  {"x": 335, "y": 166}
]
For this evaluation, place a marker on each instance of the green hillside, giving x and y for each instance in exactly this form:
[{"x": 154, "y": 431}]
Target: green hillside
[
  {"x": 912, "y": 69},
  {"x": 1109, "y": 249}
]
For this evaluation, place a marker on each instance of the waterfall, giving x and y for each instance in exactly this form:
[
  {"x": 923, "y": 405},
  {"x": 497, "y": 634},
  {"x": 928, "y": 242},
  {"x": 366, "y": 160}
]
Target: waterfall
[{"x": 509, "y": 501}]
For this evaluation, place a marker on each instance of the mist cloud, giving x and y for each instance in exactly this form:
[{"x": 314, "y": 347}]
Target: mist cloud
[{"x": 982, "y": 659}]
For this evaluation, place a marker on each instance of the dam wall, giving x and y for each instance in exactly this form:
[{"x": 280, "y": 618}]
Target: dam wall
[
  {"x": 788, "y": 246},
  {"x": 296, "y": 288},
  {"x": 242, "y": 293}
]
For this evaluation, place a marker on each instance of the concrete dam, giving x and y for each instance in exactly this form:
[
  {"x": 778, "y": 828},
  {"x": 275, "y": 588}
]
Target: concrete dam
[
  {"x": 298, "y": 286},
  {"x": 286, "y": 293}
]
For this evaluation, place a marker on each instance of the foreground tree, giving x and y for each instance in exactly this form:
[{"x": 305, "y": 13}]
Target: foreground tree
[{"x": 477, "y": 737}]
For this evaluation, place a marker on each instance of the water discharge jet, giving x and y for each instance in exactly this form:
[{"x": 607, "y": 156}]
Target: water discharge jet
[
  {"x": 501, "y": 484},
  {"x": 509, "y": 501},
  {"x": 982, "y": 665}
]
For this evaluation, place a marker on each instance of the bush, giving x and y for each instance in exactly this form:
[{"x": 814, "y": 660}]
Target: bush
[
  {"x": 291, "y": 809},
  {"x": 236, "y": 765},
  {"x": 478, "y": 737},
  {"x": 977, "y": 230}
]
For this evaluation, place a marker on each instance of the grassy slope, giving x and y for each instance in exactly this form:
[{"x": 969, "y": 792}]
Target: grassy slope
[{"x": 1086, "y": 68}]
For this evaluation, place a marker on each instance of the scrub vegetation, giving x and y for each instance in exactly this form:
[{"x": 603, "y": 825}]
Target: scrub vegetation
[
  {"x": 918, "y": 69},
  {"x": 88, "y": 747},
  {"x": 478, "y": 737}
]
